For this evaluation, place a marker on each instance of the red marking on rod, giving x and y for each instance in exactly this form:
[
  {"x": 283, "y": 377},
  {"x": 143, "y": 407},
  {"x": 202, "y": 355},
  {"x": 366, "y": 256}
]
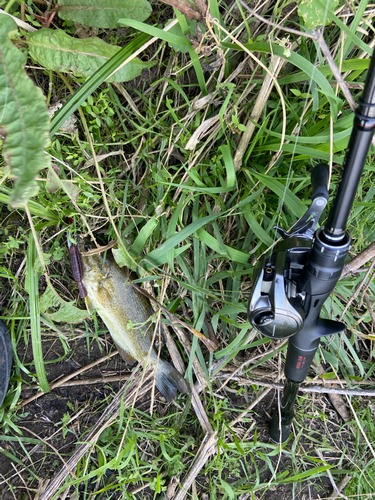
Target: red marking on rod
[{"x": 301, "y": 362}]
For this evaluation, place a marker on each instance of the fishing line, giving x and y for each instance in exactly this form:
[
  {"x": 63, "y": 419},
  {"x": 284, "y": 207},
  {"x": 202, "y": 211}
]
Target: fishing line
[
  {"x": 289, "y": 176},
  {"x": 300, "y": 124}
]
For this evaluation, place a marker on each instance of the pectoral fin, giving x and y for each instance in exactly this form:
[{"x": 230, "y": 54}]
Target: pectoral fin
[{"x": 89, "y": 305}]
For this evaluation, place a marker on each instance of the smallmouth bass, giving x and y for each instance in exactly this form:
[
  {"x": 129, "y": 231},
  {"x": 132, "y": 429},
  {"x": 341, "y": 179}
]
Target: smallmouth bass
[{"x": 127, "y": 314}]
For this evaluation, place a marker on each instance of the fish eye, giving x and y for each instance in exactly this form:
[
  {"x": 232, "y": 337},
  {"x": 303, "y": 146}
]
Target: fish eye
[{"x": 87, "y": 248}]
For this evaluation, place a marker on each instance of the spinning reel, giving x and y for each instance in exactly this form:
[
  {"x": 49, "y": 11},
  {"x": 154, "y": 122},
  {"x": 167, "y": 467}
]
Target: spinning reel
[
  {"x": 277, "y": 303},
  {"x": 289, "y": 290}
]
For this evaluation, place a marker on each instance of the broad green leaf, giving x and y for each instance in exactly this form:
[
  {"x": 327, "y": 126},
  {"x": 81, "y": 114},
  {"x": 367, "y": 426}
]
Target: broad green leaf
[
  {"x": 151, "y": 30},
  {"x": 314, "y": 13},
  {"x": 354, "y": 354},
  {"x": 67, "y": 312},
  {"x": 54, "y": 183},
  {"x": 228, "y": 489},
  {"x": 94, "y": 81},
  {"x": 309, "y": 473},
  {"x": 123, "y": 257},
  {"x": 317, "y": 154},
  {"x": 351, "y": 36},
  {"x": 183, "y": 22},
  {"x": 161, "y": 258},
  {"x": 329, "y": 375},
  {"x": 34, "y": 207},
  {"x": 199, "y": 189},
  {"x": 322, "y": 138},
  {"x": 159, "y": 255},
  {"x": 229, "y": 165},
  {"x": 171, "y": 230},
  {"x": 232, "y": 253},
  {"x": 23, "y": 119},
  {"x": 332, "y": 359},
  {"x": 143, "y": 236},
  {"x": 348, "y": 65},
  {"x": 103, "y": 13},
  {"x": 174, "y": 40},
  {"x": 176, "y": 30},
  {"x": 258, "y": 230},
  {"x": 57, "y": 51},
  {"x": 48, "y": 299},
  {"x": 360, "y": 10}
]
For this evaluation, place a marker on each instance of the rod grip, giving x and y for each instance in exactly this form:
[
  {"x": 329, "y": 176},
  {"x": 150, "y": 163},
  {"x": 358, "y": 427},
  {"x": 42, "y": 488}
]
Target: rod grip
[
  {"x": 281, "y": 423},
  {"x": 279, "y": 430},
  {"x": 302, "y": 346},
  {"x": 298, "y": 359}
]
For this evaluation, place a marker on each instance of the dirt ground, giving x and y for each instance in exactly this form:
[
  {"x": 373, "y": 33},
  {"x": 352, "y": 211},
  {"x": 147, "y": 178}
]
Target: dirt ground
[{"x": 43, "y": 418}]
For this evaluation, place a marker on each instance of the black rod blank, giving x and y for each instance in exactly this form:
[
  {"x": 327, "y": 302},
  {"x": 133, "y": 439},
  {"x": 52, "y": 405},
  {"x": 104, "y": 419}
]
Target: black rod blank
[{"x": 355, "y": 159}]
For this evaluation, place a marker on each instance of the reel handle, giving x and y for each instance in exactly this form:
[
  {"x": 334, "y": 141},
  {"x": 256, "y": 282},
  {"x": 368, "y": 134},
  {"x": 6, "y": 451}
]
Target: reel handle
[{"x": 306, "y": 226}]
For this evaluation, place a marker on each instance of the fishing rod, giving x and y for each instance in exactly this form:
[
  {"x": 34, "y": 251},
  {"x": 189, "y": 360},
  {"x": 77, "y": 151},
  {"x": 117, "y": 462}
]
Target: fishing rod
[{"x": 291, "y": 285}]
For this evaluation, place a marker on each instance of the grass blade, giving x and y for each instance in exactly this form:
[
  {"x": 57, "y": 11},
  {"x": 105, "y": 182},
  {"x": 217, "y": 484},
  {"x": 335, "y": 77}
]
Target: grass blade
[
  {"x": 32, "y": 279},
  {"x": 291, "y": 200}
]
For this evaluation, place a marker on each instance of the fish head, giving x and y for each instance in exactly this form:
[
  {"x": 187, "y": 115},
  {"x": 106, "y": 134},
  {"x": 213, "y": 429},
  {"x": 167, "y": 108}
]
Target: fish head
[{"x": 94, "y": 267}]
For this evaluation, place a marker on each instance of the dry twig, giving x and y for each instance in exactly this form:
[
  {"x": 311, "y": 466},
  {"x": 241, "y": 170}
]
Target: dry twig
[
  {"x": 308, "y": 388},
  {"x": 63, "y": 380},
  {"x": 125, "y": 397},
  {"x": 207, "y": 448},
  {"x": 343, "y": 484},
  {"x": 359, "y": 288},
  {"x": 196, "y": 402},
  {"x": 359, "y": 261},
  {"x": 177, "y": 321},
  {"x": 335, "y": 488},
  {"x": 276, "y": 64},
  {"x": 335, "y": 70}
]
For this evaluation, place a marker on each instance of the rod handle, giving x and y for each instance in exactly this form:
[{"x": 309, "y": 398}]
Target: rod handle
[
  {"x": 279, "y": 429},
  {"x": 281, "y": 423}
]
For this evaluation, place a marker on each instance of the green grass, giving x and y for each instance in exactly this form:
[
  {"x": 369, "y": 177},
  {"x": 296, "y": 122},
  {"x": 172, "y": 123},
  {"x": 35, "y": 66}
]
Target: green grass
[{"x": 194, "y": 227}]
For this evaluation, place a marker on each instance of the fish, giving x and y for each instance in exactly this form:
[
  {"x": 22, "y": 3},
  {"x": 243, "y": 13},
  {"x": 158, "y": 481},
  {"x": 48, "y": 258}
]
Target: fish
[{"x": 127, "y": 314}]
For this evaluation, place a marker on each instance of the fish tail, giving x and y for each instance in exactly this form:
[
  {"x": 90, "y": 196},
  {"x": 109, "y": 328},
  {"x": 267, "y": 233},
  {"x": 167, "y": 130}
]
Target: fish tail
[{"x": 169, "y": 381}]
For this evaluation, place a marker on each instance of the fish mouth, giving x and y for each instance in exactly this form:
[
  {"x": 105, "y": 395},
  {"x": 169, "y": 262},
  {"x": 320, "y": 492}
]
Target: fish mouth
[
  {"x": 88, "y": 249},
  {"x": 84, "y": 244}
]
